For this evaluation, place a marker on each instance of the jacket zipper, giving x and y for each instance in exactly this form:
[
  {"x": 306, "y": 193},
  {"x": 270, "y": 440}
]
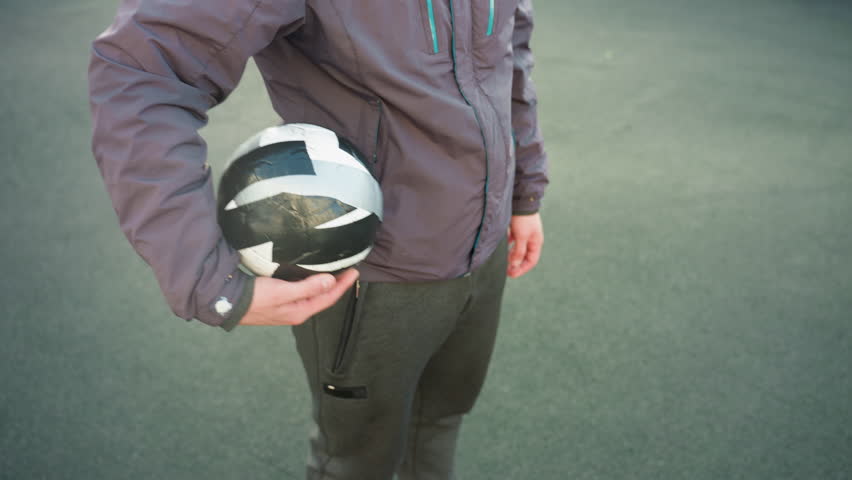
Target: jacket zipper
[
  {"x": 432, "y": 28},
  {"x": 490, "y": 18},
  {"x": 481, "y": 131},
  {"x": 346, "y": 330}
]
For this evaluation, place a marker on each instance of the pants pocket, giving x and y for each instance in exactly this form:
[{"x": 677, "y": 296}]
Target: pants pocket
[{"x": 348, "y": 333}]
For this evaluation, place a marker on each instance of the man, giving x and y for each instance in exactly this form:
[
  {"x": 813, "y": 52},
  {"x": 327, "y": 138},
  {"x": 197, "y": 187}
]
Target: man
[{"x": 437, "y": 95}]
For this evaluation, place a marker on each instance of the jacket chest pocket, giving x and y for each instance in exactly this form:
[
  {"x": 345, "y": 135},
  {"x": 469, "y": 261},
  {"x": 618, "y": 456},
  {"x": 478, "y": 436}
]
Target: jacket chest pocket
[
  {"x": 493, "y": 25},
  {"x": 435, "y": 24},
  {"x": 488, "y": 20},
  {"x": 403, "y": 32},
  {"x": 492, "y": 18}
]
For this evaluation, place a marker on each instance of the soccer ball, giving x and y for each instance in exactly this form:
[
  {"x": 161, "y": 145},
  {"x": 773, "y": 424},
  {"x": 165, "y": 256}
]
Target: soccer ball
[{"x": 296, "y": 200}]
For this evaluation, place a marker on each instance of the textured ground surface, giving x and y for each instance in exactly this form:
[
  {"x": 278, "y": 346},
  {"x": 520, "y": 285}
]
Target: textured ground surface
[{"x": 691, "y": 319}]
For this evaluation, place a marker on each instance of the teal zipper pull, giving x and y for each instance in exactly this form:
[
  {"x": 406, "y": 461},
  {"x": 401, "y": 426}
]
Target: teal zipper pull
[
  {"x": 490, "y": 18},
  {"x": 432, "y": 25}
]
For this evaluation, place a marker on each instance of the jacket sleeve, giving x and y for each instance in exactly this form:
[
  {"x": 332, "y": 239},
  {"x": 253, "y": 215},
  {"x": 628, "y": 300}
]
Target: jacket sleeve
[
  {"x": 531, "y": 160},
  {"x": 153, "y": 75}
]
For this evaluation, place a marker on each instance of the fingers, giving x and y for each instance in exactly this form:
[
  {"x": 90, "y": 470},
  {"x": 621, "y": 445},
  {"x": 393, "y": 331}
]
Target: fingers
[
  {"x": 289, "y": 292},
  {"x": 526, "y": 237},
  {"x": 298, "y": 311},
  {"x": 518, "y": 252},
  {"x": 531, "y": 257},
  {"x": 324, "y": 300}
]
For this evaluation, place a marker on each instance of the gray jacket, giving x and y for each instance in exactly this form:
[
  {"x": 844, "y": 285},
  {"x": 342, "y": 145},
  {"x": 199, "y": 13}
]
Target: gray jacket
[{"x": 436, "y": 93}]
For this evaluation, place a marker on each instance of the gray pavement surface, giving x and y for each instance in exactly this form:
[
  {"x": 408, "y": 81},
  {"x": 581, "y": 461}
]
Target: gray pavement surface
[{"x": 691, "y": 317}]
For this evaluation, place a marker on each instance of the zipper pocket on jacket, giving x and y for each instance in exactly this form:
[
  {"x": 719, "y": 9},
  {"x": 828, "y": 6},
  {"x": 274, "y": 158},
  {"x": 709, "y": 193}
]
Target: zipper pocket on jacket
[
  {"x": 431, "y": 11},
  {"x": 346, "y": 331},
  {"x": 490, "y": 18},
  {"x": 380, "y": 107}
]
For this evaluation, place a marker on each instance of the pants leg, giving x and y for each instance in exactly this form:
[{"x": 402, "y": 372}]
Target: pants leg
[
  {"x": 453, "y": 378},
  {"x": 382, "y": 346}
]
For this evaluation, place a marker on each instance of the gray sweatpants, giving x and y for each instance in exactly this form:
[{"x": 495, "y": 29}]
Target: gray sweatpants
[{"x": 392, "y": 367}]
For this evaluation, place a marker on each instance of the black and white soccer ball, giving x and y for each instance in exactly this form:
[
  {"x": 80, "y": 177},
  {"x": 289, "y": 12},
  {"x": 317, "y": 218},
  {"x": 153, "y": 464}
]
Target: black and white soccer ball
[{"x": 296, "y": 200}]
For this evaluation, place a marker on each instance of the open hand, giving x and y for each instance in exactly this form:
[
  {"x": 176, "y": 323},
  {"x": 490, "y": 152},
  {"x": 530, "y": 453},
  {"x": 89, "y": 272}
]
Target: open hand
[{"x": 277, "y": 302}]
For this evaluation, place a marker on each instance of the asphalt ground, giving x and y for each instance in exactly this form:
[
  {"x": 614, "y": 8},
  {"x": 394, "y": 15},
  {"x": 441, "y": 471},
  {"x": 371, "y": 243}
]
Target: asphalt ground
[{"x": 691, "y": 317}]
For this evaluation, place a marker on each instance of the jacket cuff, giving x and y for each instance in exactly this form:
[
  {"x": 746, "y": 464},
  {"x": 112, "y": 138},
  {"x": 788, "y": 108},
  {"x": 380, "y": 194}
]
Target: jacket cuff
[
  {"x": 241, "y": 307},
  {"x": 231, "y": 303},
  {"x": 526, "y": 205}
]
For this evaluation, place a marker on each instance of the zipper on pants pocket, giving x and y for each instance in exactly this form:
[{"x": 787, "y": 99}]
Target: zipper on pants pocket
[{"x": 346, "y": 331}]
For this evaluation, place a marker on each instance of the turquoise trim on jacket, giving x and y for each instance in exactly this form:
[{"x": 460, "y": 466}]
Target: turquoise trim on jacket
[
  {"x": 432, "y": 26},
  {"x": 490, "y": 18}
]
